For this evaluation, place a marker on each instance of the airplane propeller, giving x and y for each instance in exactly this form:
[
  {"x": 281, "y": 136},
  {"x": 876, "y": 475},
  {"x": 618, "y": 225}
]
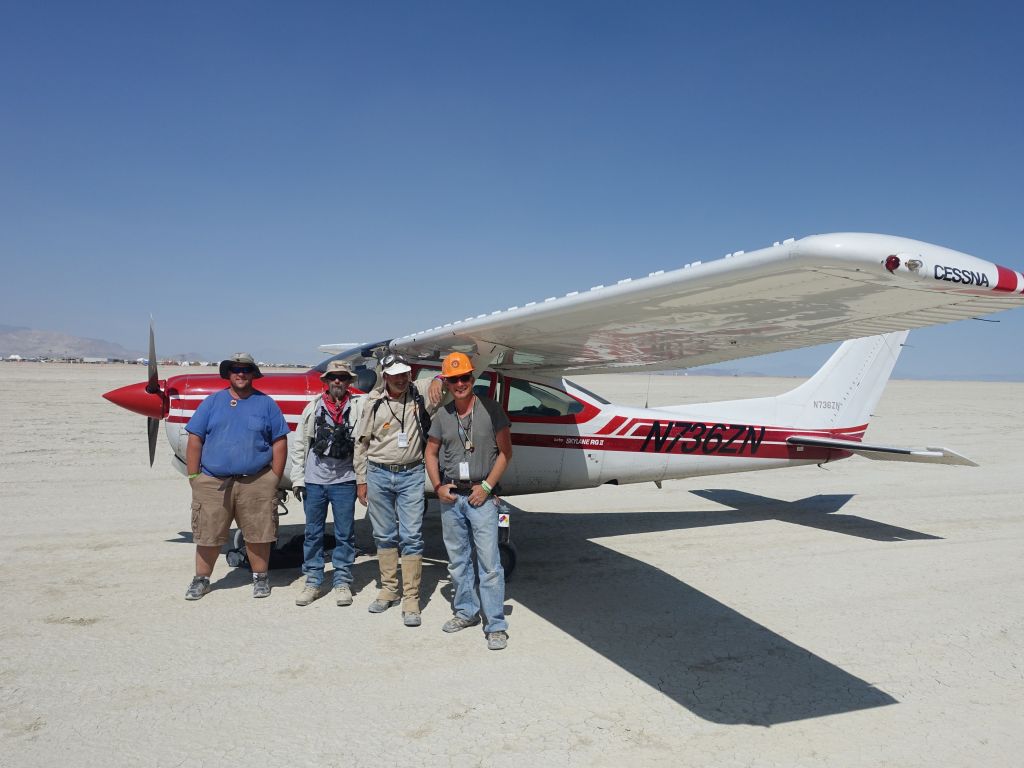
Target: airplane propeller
[
  {"x": 153, "y": 428},
  {"x": 153, "y": 387}
]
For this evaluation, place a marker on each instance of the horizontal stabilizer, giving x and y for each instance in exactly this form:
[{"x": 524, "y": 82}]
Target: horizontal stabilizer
[
  {"x": 887, "y": 452},
  {"x": 334, "y": 349}
]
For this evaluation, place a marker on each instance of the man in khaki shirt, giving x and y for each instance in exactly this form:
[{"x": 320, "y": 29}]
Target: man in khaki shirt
[{"x": 390, "y": 480}]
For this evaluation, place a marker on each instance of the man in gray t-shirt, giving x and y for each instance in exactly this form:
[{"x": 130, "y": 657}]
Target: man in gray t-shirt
[{"x": 468, "y": 449}]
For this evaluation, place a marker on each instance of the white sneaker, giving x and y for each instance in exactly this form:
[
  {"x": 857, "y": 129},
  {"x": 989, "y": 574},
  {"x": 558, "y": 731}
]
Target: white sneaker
[
  {"x": 310, "y": 592},
  {"x": 343, "y": 595}
]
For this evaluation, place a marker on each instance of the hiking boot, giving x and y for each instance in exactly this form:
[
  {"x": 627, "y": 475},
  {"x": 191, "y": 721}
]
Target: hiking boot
[
  {"x": 310, "y": 592},
  {"x": 497, "y": 641},
  {"x": 200, "y": 586},
  {"x": 379, "y": 606},
  {"x": 260, "y": 585},
  {"x": 457, "y": 623},
  {"x": 411, "y": 618},
  {"x": 343, "y": 595}
]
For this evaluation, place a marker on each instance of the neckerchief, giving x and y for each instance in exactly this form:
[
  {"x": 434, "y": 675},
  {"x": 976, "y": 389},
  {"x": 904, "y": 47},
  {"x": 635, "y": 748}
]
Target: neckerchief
[{"x": 335, "y": 410}]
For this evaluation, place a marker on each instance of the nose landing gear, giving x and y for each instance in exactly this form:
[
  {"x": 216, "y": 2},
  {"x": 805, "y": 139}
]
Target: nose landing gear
[{"x": 506, "y": 549}]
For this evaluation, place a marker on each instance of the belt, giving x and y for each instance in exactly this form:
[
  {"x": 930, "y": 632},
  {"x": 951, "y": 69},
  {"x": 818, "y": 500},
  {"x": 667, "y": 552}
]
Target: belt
[
  {"x": 465, "y": 487},
  {"x": 396, "y": 467},
  {"x": 460, "y": 487},
  {"x": 236, "y": 477}
]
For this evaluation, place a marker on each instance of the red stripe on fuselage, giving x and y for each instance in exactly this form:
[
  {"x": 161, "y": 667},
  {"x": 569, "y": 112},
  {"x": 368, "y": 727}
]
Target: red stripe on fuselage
[
  {"x": 611, "y": 426},
  {"x": 745, "y": 446},
  {"x": 629, "y": 425}
]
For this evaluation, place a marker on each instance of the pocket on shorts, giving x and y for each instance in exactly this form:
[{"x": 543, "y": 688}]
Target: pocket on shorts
[{"x": 197, "y": 508}]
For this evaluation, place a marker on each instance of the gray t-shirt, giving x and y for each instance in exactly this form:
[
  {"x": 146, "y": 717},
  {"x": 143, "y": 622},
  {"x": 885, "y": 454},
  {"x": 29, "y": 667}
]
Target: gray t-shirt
[{"x": 486, "y": 419}]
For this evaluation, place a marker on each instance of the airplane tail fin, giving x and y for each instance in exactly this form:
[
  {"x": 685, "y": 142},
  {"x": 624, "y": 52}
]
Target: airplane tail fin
[
  {"x": 840, "y": 398},
  {"x": 846, "y": 389},
  {"x": 842, "y": 393}
]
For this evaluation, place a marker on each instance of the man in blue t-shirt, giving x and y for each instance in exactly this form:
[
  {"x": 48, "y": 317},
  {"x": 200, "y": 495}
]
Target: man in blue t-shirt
[{"x": 237, "y": 447}]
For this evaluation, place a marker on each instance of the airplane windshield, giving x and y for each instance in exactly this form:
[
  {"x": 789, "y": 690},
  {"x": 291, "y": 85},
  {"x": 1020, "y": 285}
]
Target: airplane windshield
[{"x": 595, "y": 397}]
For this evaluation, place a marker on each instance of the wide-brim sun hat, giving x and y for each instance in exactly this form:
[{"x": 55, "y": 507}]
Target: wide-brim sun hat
[
  {"x": 337, "y": 366},
  {"x": 239, "y": 358}
]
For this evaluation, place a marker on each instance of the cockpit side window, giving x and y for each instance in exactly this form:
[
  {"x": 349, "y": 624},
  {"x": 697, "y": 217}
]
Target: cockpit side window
[{"x": 527, "y": 398}]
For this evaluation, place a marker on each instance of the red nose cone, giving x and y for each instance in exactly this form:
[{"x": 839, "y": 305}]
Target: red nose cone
[{"x": 135, "y": 398}]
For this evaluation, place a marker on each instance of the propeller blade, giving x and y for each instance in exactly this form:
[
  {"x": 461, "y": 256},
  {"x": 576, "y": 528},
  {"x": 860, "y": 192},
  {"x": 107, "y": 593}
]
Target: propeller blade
[
  {"x": 154, "y": 378},
  {"x": 153, "y": 428}
]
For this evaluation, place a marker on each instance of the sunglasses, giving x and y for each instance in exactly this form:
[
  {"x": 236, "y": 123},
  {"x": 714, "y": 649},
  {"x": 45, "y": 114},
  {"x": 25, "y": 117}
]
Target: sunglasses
[
  {"x": 460, "y": 379},
  {"x": 337, "y": 377},
  {"x": 244, "y": 369}
]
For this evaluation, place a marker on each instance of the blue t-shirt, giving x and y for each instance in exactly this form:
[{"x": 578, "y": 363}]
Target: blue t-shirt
[{"x": 237, "y": 439}]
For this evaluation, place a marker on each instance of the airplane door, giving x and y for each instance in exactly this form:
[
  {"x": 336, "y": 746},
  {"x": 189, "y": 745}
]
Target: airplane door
[{"x": 540, "y": 460}]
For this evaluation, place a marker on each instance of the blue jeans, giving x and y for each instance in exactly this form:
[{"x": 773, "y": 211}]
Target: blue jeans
[
  {"x": 394, "y": 504},
  {"x": 342, "y": 497},
  {"x": 466, "y": 528}
]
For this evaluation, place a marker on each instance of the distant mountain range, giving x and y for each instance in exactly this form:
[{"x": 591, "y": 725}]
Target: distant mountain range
[{"x": 31, "y": 342}]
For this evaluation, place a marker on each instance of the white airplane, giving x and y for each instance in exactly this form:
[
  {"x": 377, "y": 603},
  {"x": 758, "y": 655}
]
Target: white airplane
[{"x": 798, "y": 293}]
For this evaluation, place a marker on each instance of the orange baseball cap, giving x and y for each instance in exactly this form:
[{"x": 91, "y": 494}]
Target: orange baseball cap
[{"x": 456, "y": 364}]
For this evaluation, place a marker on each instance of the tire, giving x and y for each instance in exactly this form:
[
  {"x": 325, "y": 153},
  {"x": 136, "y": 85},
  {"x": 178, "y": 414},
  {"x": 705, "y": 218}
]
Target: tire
[{"x": 508, "y": 555}]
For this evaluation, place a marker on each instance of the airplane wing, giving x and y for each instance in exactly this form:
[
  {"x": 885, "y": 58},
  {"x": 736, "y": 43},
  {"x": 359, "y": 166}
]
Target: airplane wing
[
  {"x": 886, "y": 452},
  {"x": 798, "y": 293}
]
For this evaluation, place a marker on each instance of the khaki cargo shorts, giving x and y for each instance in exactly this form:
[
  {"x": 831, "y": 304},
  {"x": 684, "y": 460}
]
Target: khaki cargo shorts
[{"x": 250, "y": 501}]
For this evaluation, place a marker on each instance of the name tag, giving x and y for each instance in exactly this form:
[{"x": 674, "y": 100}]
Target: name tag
[
  {"x": 463, "y": 470},
  {"x": 403, "y": 440}
]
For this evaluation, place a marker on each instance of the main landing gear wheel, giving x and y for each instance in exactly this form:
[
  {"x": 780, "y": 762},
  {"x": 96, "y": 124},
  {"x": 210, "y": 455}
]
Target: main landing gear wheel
[
  {"x": 507, "y": 552},
  {"x": 236, "y": 556}
]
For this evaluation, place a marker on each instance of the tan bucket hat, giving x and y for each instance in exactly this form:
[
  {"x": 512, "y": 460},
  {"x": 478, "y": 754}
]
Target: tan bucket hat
[
  {"x": 338, "y": 366},
  {"x": 239, "y": 358}
]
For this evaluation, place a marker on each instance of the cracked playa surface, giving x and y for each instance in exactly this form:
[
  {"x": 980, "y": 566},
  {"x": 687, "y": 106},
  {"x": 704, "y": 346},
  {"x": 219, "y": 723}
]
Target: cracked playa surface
[{"x": 865, "y": 615}]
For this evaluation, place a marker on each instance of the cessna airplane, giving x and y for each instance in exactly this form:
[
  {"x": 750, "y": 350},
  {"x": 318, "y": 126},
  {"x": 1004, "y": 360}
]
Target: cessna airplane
[{"x": 797, "y": 293}]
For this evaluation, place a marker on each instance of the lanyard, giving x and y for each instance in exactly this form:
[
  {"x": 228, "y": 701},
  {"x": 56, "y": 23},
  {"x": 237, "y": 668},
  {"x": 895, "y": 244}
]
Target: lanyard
[
  {"x": 387, "y": 402},
  {"x": 466, "y": 430}
]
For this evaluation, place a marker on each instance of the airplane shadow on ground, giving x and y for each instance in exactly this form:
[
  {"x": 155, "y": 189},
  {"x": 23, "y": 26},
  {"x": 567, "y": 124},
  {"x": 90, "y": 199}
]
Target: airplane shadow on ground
[
  {"x": 702, "y": 654},
  {"x": 813, "y": 512},
  {"x": 707, "y": 657}
]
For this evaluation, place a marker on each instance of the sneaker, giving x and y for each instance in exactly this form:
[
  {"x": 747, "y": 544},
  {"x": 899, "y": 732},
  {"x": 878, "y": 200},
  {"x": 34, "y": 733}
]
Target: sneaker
[
  {"x": 260, "y": 585},
  {"x": 379, "y": 606},
  {"x": 497, "y": 641},
  {"x": 411, "y": 619},
  {"x": 457, "y": 623},
  {"x": 310, "y": 592},
  {"x": 343, "y": 595},
  {"x": 200, "y": 586}
]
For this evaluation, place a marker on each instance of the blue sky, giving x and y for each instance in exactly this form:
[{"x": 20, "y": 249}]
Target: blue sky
[{"x": 272, "y": 176}]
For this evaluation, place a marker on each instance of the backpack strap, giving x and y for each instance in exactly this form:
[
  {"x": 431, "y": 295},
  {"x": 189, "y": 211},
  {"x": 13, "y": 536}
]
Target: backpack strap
[{"x": 421, "y": 412}]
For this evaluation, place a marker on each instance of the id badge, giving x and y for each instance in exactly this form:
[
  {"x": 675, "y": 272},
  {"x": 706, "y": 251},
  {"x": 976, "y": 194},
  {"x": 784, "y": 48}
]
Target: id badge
[
  {"x": 403, "y": 440},
  {"x": 463, "y": 470}
]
